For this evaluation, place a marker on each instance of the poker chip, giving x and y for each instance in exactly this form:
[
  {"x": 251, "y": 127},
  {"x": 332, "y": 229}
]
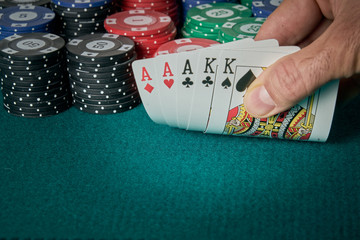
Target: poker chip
[
  {"x": 81, "y": 4},
  {"x": 99, "y": 69},
  {"x": 12, "y": 3},
  {"x": 205, "y": 21},
  {"x": 263, "y": 8},
  {"x": 137, "y": 23},
  {"x": 184, "y": 45},
  {"x": 188, "y": 4},
  {"x": 107, "y": 109},
  {"x": 168, "y": 7},
  {"x": 247, "y": 3},
  {"x": 32, "y": 80},
  {"x": 78, "y": 18},
  {"x": 101, "y": 47},
  {"x": 240, "y": 29},
  {"x": 24, "y": 19},
  {"x": 215, "y": 14},
  {"x": 148, "y": 29}
]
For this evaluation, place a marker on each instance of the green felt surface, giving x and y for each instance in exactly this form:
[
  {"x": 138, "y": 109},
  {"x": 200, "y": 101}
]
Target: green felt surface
[{"x": 78, "y": 175}]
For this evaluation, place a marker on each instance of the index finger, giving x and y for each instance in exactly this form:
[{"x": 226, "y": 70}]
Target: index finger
[{"x": 291, "y": 22}]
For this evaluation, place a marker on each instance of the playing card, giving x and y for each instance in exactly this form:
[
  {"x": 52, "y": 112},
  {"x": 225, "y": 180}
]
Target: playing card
[
  {"x": 166, "y": 67},
  {"x": 309, "y": 120},
  {"x": 230, "y": 63},
  {"x": 147, "y": 83}
]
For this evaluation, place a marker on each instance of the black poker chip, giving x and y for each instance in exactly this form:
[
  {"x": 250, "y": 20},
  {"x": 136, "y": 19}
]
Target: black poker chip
[
  {"x": 100, "y": 47},
  {"x": 9, "y": 101},
  {"x": 76, "y": 62},
  {"x": 58, "y": 67},
  {"x": 126, "y": 98},
  {"x": 95, "y": 69},
  {"x": 30, "y": 81},
  {"x": 104, "y": 91},
  {"x": 38, "y": 114},
  {"x": 32, "y": 67},
  {"x": 20, "y": 88},
  {"x": 107, "y": 109},
  {"x": 103, "y": 97},
  {"x": 102, "y": 86},
  {"x": 101, "y": 75},
  {"x": 31, "y": 46},
  {"x": 48, "y": 61}
]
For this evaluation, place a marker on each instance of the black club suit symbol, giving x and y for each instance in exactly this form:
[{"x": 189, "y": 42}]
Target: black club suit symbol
[
  {"x": 207, "y": 81},
  {"x": 187, "y": 82}
]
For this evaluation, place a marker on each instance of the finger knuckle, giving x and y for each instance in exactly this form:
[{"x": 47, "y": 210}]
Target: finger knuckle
[{"x": 287, "y": 82}]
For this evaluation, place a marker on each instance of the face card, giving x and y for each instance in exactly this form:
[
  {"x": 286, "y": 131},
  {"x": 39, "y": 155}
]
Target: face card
[
  {"x": 230, "y": 63},
  {"x": 309, "y": 120},
  {"x": 147, "y": 83}
]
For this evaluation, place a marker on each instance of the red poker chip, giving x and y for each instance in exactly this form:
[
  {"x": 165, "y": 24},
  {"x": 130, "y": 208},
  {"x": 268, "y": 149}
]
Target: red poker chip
[
  {"x": 157, "y": 41},
  {"x": 164, "y": 33},
  {"x": 184, "y": 45},
  {"x": 149, "y": 1},
  {"x": 153, "y": 5},
  {"x": 158, "y": 9},
  {"x": 137, "y": 23}
]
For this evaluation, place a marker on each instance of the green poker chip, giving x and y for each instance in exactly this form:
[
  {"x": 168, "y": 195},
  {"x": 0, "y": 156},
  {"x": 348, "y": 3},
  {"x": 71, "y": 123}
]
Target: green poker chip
[
  {"x": 247, "y": 3},
  {"x": 185, "y": 34},
  {"x": 188, "y": 33},
  {"x": 198, "y": 34},
  {"x": 192, "y": 26},
  {"x": 241, "y": 28},
  {"x": 214, "y": 15}
]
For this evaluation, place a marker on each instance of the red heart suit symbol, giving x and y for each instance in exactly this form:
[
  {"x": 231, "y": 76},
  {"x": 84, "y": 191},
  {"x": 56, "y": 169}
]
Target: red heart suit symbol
[{"x": 169, "y": 82}]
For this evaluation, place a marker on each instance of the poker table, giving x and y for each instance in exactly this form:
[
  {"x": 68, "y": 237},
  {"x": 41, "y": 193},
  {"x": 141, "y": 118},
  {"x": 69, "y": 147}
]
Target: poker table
[{"x": 121, "y": 176}]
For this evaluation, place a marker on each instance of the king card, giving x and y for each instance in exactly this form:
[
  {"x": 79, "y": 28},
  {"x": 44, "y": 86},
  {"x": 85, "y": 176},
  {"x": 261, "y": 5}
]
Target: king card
[{"x": 230, "y": 62}]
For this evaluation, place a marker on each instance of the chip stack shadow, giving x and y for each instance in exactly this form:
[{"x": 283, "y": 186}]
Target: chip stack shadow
[
  {"x": 33, "y": 82},
  {"x": 100, "y": 73}
]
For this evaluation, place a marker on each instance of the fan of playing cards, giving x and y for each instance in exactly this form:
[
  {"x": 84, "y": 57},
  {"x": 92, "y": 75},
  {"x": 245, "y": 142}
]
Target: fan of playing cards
[{"x": 202, "y": 90}]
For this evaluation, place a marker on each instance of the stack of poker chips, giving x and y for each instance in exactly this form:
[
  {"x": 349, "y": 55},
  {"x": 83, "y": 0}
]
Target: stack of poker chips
[
  {"x": 77, "y": 18},
  {"x": 205, "y": 21},
  {"x": 263, "y": 8},
  {"x": 32, "y": 80},
  {"x": 12, "y": 3},
  {"x": 100, "y": 73},
  {"x": 239, "y": 29},
  {"x": 168, "y": 7},
  {"x": 148, "y": 29},
  {"x": 24, "y": 19}
]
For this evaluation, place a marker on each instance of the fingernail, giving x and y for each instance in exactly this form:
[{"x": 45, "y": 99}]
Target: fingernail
[{"x": 258, "y": 102}]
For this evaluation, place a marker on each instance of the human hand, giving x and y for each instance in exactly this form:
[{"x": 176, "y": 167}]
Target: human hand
[{"x": 328, "y": 31}]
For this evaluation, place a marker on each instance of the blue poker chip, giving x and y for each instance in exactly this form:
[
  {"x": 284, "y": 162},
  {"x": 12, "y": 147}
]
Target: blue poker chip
[
  {"x": 81, "y": 3},
  {"x": 263, "y": 8},
  {"x": 25, "y": 18}
]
